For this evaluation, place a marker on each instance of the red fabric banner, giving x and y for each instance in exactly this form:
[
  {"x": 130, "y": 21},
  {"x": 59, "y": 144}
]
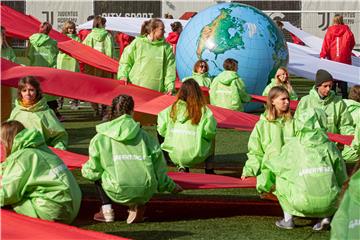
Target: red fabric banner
[
  {"x": 17, "y": 226},
  {"x": 262, "y": 99},
  {"x": 23, "y": 26},
  {"x": 210, "y": 181}
]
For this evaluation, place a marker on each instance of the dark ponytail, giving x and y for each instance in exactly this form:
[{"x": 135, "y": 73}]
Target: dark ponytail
[{"x": 122, "y": 104}]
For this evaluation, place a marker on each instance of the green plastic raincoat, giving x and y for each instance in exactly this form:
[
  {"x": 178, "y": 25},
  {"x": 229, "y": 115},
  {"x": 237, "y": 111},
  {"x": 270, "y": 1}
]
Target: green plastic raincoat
[
  {"x": 228, "y": 91},
  {"x": 36, "y": 183},
  {"x": 293, "y": 95},
  {"x": 149, "y": 64},
  {"x": 202, "y": 79},
  {"x": 339, "y": 119},
  {"x": 352, "y": 153},
  {"x": 129, "y": 163},
  {"x": 265, "y": 142},
  {"x": 187, "y": 144},
  {"x": 353, "y": 108},
  {"x": 310, "y": 170},
  {"x": 8, "y": 53},
  {"x": 43, "y": 50},
  {"x": 65, "y": 62},
  {"x": 101, "y": 40},
  {"x": 346, "y": 221},
  {"x": 42, "y": 118}
]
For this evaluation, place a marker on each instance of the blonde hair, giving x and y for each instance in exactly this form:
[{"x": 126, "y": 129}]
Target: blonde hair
[
  {"x": 286, "y": 84},
  {"x": 8, "y": 132},
  {"x": 271, "y": 112},
  {"x": 338, "y": 19},
  {"x": 68, "y": 24}
]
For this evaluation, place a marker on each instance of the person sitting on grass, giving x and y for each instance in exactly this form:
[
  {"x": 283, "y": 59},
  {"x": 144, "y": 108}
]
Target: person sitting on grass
[
  {"x": 271, "y": 132},
  {"x": 32, "y": 111},
  {"x": 345, "y": 223},
  {"x": 281, "y": 79},
  {"x": 189, "y": 128},
  {"x": 309, "y": 172},
  {"x": 227, "y": 89},
  {"x": 200, "y": 74},
  {"x": 126, "y": 164},
  {"x": 35, "y": 182}
]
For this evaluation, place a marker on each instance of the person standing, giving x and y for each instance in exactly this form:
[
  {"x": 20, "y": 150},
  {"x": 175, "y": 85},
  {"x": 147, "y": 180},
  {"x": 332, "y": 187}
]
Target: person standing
[{"x": 337, "y": 46}]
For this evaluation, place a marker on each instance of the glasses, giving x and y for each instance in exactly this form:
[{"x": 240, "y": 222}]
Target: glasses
[{"x": 203, "y": 65}]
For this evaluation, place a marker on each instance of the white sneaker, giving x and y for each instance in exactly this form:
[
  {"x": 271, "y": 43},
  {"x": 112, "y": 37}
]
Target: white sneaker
[
  {"x": 136, "y": 214},
  {"x": 323, "y": 224},
  {"x": 105, "y": 216}
]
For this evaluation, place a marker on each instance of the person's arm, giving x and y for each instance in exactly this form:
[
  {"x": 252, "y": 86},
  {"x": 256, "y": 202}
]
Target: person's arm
[
  {"x": 14, "y": 179},
  {"x": 338, "y": 164},
  {"x": 92, "y": 169},
  {"x": 210, "y": 123},
  {"x": 255, "y": 154},
  {"x": 346, "y": 125},
  {"x": 126, "y": 61},
  {"x": 54, "y": 132},
  {"x": 162, "y": 122},
  {"x": 170, "y": 70},
  {"x": 244, "y": 96},
  {"x": 109, "y": 46},
  {"x": 165, "y": 183}
]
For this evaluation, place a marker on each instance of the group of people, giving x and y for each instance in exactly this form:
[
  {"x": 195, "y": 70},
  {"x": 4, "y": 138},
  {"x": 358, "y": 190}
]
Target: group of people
[{"x": 291, "y": 156}]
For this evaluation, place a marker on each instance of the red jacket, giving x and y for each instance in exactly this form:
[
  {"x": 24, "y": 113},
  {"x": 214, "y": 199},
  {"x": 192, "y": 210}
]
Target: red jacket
[
  {"x": 338, "y": 44},
  {"x": 172, "y": 39},
  {"x": 123, "y": 40},
  {"x": 83, "y": 33}
]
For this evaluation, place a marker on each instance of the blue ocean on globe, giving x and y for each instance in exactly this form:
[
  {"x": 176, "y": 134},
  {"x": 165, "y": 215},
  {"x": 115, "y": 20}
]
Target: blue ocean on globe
[{"x": 238, "y": 31}]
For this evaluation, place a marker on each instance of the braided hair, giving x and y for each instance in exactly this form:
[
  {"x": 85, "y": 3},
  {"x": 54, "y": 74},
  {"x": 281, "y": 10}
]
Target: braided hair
[{"x": 122, "y": 104}]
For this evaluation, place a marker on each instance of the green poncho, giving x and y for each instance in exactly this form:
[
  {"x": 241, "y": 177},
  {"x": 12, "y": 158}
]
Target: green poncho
[
  {"x": 228, "y": 91},
  {"x": 36, "y": 183},
  {"x": 187, "y": 144},
  {"x": 129, "y": 163},
  {"x": 310, "y": 170},
  {"x": 293, "y": 95},
  {"x": 202, "y": 79},
  {"x": 65, "y": 62},
  {"x": 42, "y": 118},
  {"x": 346, "y": 221},
  {"x": 149, "y": 64}
]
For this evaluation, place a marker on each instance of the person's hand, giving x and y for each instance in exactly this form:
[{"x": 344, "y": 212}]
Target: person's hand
[
  {"x": 125, "y": 80},
  {"x": 177, "y": 189},
  {"x": 169, "y": 93},
  {"x": 243, "y": 177}
]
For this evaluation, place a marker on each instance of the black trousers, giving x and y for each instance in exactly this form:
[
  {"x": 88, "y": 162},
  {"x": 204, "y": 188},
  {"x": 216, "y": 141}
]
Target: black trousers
[{"x": 103, "y": 197}]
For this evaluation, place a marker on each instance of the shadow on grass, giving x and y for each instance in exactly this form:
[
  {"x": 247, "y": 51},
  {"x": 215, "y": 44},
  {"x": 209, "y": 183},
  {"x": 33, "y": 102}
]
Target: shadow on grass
[{"x": 151, "y": 234}]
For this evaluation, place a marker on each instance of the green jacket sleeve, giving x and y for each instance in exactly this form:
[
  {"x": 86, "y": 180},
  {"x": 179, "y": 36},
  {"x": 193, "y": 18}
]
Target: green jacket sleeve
[
  {"x": 267, "y": 90},
  {"x": 13, "y": 182},
  {"x": 338, "y": 164},
  {"x": 54, "y": 133},
  {"x": 293, "y": 95},
  {"x": 30, "y": 53},
  {"x": 170, "y": 70},
  {"x": 346, "y": 123},
  {"x": 126, "y": 61},
  {"x": 162, "y": 122},
  {"x": 210, "y": 123},
  {"x": 165, "y": 183},
  {"x": 244, "y": 96},
  {"x": 92, "y": 169},
  {"x": 255, "y": 154},
  {"x": 109, "y": 46}
]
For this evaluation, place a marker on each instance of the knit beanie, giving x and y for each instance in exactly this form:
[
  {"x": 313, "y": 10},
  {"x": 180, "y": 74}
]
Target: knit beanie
[{"x": 322, "y": 76}]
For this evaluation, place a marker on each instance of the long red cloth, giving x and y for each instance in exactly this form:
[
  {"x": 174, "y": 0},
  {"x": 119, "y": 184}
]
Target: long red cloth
[
  {"x": 17, "y": 226},
  {"x": 23, "y": 26}
]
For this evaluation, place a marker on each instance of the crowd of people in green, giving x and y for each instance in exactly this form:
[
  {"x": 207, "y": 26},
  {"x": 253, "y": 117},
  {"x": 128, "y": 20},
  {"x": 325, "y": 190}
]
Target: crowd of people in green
[{"x": 289, "y": 154}]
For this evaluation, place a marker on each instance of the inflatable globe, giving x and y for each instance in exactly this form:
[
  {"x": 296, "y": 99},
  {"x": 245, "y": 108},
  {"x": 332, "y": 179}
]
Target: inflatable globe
[{"x": 238, "y": 31}]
